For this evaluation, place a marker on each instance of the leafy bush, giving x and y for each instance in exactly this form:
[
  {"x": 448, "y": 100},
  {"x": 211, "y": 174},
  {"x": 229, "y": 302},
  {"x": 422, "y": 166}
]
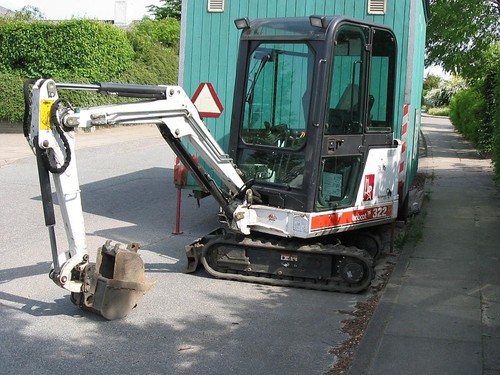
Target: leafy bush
[
  {"x": 475, "y": 112},
  {"x": 431, "y": 81},
  {"x": 466, "y": 113},
  {"x": 492, "y": 88},
  {"x": 489, "y": 86},
  {"x": 83, "y": 51},
  {"x": 11, "y": 97},
  {"x": 160, "y": 67},
  {"x": 148, "y": 34},
  {"x": 85, "y": 48},
  {"x": 155, "y": 45},
  {"x": 442, "y": 95},
  {"x": 440, "y": 111},
  {"x": 495, "y": 155},
  {"x": 436, "y": 98}
]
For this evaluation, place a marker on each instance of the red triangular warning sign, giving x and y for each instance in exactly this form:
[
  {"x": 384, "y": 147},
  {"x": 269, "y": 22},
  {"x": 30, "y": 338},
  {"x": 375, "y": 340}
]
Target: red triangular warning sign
[{"x": 206, "y": 101}]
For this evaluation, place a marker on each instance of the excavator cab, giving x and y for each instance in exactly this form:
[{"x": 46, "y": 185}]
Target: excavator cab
[
  {"x": 312, "y": 133},
  {"x": 313, "y": 96}
]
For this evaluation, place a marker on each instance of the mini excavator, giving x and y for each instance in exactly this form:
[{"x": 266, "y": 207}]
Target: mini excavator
[{"x": 310, "y": 176}]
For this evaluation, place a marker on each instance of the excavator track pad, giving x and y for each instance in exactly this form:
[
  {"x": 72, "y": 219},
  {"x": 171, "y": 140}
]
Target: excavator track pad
[
  {"x": 113, "y": 286},
  {"x": 283, "y": 262}
]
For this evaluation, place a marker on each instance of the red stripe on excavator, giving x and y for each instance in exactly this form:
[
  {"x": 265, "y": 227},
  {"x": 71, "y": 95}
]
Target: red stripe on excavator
[
  {"x": 406, "y": 109},
  {"x": 404, "y": 128},
  {"x": 351, "y": 217}
]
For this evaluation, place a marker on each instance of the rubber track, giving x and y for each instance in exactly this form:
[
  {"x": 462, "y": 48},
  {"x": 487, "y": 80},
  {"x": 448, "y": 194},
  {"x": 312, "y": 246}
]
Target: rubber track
[{"x": 332, "y": 285}]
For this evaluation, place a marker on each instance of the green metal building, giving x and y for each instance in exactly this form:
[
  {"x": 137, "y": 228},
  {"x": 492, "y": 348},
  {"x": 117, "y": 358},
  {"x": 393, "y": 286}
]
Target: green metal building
[{"x": 209, "y": 46}]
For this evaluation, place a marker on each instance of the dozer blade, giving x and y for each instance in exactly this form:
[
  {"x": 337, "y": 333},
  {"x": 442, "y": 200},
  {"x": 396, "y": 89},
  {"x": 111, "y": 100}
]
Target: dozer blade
[{"x": 114, "y": 285}]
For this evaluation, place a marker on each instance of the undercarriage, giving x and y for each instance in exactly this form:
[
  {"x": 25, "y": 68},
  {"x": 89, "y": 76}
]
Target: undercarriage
[{"x": 329, "y": 266}]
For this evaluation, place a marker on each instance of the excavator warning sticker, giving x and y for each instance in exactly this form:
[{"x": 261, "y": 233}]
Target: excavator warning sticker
[
  {"x": 45, "y": 106},
  {"x": 351, "y": 217},
  {"x": 369, "y": 186}
]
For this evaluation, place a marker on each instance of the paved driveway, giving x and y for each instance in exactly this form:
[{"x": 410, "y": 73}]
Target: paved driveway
[{"x": 187, "y": 324}]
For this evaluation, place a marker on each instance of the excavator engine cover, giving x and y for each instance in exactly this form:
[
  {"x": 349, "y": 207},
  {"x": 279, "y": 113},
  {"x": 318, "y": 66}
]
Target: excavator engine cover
[{"x": 114, "y": 285}]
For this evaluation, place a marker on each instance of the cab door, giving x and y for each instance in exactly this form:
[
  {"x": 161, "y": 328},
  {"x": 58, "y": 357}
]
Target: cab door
[
  {"x": 360, "y": 110},
  {"x": 343, "y": 132}
]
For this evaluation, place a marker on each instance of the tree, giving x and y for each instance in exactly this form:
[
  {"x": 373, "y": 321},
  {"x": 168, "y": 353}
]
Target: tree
[
  {"x": 460, "y": 32},
  {"x": 147, "y": 34},
  {"x": 441, "y": 95},
  {"x": 170, "y": 9},
  {"x": 29, "y": 12},
  {"x": 431, "y": 81}
]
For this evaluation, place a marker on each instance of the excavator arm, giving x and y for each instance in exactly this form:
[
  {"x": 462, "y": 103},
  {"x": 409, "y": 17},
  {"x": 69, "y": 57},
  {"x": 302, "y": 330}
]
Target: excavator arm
[{"x": 113, "y": 285}]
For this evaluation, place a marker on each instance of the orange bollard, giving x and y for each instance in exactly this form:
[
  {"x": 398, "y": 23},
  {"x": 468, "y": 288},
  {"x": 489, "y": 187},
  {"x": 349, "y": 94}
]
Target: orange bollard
[{"x": 180, "y": 179}]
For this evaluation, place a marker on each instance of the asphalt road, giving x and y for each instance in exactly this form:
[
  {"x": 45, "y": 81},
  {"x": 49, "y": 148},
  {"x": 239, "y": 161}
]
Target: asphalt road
[{"x": 188, "y": 323}]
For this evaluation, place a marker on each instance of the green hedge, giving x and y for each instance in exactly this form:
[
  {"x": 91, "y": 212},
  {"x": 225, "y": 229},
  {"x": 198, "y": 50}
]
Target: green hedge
[
  {"x": 439, "y": 111},
  {"x": 91, "y": 52},
  {"x": 84, "y": 48},
  {"x": 146, "y": 34},
  {"x": 475, "y": 112},
  {"x": 11, "y": 97},
  {"x": 466, "y": 113},
  {"x": 159, "y": 66},
  {"x": 496, "y": 132}
]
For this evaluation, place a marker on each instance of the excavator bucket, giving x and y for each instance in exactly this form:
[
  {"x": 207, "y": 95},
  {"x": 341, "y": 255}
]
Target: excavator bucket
[{"x": 114, "y": 285}]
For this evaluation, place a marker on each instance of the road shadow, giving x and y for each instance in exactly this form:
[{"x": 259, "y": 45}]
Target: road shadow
[
  {"x": 145, "y": 201},
  {"x": 261, "y": 332}
]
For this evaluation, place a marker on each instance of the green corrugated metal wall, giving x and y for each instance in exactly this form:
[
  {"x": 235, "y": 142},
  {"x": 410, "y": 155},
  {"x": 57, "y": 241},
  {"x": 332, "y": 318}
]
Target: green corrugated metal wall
[
  {"x": 209, "y": 45},
  {"x": 413, "y": 92}
]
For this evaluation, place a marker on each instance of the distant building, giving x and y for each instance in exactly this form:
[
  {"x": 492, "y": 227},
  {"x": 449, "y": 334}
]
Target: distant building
[
  {"x": 4, "y": 12},
  {"x": 120, "y": 13}
]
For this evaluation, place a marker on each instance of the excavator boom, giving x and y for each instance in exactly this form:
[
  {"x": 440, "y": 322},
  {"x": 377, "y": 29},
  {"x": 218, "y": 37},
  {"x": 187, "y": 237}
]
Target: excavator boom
[{"x": 112, "y": 286}]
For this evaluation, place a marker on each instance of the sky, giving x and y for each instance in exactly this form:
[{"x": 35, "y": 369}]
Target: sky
[
  {"x": 95, "y": 9},
  {"x": 437, "y": 71}
]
